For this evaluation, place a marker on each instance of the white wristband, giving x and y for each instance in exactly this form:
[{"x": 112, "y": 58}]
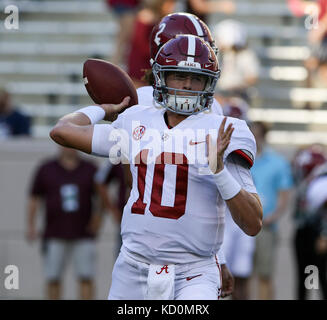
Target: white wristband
[
  {"x": 227, "y": 186},
  {"x": 94, "y": 113}
]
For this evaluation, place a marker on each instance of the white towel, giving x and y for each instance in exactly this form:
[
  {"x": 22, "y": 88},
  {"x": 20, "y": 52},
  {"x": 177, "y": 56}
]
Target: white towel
[{"x": 160, "y": 283}]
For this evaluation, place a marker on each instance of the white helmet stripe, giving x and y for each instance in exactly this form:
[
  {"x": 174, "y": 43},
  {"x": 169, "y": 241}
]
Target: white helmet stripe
[
  {"x": 191, "y": 48},
  {"x": 197, "y": 25}
]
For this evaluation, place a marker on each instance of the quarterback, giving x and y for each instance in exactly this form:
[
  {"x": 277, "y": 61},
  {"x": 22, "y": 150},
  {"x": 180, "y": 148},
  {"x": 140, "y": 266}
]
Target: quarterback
[
  {"x": 168, "y": 28},
  {"x": 186, "y": 164}
]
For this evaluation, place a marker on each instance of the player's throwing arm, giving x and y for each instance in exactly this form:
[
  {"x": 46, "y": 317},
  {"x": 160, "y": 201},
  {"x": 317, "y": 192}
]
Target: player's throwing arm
[{"x": 75, "y": 130}]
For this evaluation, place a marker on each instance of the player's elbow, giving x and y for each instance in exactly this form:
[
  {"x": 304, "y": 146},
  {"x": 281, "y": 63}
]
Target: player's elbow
[
  {"x": 255, "y": 226},
  {"x": 254, "y": 229},
  {"x": 58, "y": 134},
  {"x": 256, "y": 217}
]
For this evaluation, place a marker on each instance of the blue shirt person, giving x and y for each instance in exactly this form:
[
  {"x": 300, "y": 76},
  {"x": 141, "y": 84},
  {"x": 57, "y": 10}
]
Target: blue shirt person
[
  {"x": 12, "y": 122},
  {"x": 272, "y": 175}
]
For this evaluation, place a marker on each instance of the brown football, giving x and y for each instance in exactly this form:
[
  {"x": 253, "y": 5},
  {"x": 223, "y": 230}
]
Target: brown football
[{"x": 107, "y": 83}]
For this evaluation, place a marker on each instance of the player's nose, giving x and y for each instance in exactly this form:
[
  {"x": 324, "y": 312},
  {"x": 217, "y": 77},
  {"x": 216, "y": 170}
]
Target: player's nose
[{"x": 187, "y": 85}]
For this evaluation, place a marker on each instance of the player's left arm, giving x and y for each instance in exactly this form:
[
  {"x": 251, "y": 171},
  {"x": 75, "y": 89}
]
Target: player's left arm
[{"x": 245, "y": 207}]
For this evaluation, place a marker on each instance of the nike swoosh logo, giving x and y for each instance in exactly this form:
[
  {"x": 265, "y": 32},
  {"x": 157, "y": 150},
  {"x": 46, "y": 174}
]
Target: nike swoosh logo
[
  {"x": 193, "y": 143},
  {"x": 190, "y": 278}
]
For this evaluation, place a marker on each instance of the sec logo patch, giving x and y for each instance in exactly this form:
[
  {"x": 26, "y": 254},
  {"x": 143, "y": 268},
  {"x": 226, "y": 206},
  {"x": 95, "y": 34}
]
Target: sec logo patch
[{"x": 138, "y": 132}]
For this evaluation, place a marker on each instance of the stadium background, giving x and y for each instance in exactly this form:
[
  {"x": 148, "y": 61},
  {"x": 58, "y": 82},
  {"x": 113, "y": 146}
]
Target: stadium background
[{"x": 41, "y": 65}]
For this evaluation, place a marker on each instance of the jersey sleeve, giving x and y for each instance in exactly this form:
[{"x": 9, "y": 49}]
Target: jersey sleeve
[
  {"x": 241, "y": 173},
  {"x": 242, "y": 142},
  {"x": 216, "y": 107},
  {"x": 100, "y": 139},
  {"x": 221, "y": 255},
  {"x": 246, "y": 156},
  {"x": 107, "y": 138}
]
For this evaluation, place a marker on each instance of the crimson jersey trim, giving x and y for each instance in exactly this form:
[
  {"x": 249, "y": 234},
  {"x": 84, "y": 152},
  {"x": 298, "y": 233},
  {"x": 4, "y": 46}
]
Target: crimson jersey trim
[{"x": 245, "y": 156}]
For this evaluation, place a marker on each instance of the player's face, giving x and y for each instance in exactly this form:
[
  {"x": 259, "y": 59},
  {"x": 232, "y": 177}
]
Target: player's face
[{"x": 186, "y": 81}]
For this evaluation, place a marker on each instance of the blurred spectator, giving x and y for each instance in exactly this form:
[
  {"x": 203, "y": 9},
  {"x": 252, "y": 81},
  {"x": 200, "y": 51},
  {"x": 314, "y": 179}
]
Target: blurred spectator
[
  {"x": 316, "y": 198},
  {"x": 114, "y": 180},
  {"x": 319, "y": 75},
  {"x": 12, "y": 122},
  {"x": 125, "y": 11},
  {"x": 66, "y": 185},
  {"x": 273, "y": 179},
  {"x": 239, "y": 64},
  {"x": 139, "y": 54},
  {"x": 238, "y": 247},
  {"x": 234, "y": 107},
  {"x": 300, "y": 8},
  {"x": 202, "y": 8},
  {"x": 309, "y": 164},
  {"x": 316, "y": 64}
]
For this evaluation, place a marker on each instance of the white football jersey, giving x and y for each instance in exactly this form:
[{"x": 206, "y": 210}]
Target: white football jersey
[
  {"x": 175, "y": 213},
  {"x": 145, "y": 98}
]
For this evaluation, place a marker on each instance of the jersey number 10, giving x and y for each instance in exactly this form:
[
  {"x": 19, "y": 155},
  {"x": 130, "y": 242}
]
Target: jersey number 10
[{"x": 156, "y": 208}]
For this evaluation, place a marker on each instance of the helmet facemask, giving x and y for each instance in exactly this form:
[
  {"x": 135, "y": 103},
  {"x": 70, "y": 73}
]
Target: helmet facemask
[{"x": 183, "y": 101}]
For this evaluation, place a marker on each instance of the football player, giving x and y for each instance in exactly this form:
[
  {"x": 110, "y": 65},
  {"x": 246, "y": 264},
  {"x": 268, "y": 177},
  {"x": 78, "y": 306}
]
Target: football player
[
  {"x": 186, "y": 168},
  {"x": 309, "y": 164},
  {"x": 169, "y": 27}
]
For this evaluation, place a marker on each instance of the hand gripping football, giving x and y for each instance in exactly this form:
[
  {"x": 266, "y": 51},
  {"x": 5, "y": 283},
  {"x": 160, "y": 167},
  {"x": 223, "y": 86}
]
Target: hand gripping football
[{"x": 107, "y": 83}]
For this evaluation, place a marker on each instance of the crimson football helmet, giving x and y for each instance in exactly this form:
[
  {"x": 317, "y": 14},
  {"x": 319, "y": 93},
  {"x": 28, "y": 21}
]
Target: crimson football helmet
[
  {"x": 306, "y": 159},
  {"x": 175, "y": 24},
  {"x": 191, "y": 54}
]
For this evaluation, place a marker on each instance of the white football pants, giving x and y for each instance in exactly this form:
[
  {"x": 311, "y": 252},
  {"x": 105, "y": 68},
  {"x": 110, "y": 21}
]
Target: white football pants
[{"x": 195, "y": 281}]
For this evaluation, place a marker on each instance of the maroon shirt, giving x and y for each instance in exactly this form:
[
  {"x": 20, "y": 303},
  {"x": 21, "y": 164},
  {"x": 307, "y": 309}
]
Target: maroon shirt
[
  {"x": 109, "y": 173},
  {"x": 125, "y": 3},
  {"x": 139, "y": 55},
  {"x": 68, "y": 198}
]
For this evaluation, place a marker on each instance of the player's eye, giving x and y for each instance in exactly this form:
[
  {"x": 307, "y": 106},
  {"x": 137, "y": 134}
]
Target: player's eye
[
  {"x": 180, "y": 76},
  {"x": 197, "y": 78}
]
